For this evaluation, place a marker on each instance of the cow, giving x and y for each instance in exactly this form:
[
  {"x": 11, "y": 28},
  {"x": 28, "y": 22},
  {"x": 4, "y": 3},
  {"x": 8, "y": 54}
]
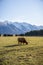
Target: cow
[
  {"x": 0, "y": 34},
  {"x": 22, "y": 40}
]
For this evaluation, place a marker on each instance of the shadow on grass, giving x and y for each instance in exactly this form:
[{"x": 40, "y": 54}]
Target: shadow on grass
[
  {"x": 13, "y": 45},
  {"x": 6, "y": 51}
]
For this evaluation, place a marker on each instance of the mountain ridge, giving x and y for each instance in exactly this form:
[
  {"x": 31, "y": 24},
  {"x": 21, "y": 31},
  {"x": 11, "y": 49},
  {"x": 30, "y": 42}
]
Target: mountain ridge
[{"x": 17, "y": 28}]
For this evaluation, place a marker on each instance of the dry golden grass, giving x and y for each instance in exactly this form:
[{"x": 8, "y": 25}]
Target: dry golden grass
[{"x": 13, "y": 54}]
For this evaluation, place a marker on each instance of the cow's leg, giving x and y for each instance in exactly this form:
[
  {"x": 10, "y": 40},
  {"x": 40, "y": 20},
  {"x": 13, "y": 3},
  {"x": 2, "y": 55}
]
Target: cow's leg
[
  {"x": 26, "y": 43},
  {"x": 18, "y": 43},
  {"x": 23, "y": 43}
]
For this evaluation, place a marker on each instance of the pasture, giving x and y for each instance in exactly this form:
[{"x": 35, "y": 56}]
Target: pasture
[{"x": 13, "y": 54}]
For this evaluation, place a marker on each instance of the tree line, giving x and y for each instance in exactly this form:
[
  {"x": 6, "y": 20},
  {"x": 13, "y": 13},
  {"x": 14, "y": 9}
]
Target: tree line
[
  {"x": 31, "y": 33},
  {"x": 6, "y": 35}
]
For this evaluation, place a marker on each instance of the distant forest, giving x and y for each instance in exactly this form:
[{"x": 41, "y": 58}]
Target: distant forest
[{"x": 31, "y": 33}]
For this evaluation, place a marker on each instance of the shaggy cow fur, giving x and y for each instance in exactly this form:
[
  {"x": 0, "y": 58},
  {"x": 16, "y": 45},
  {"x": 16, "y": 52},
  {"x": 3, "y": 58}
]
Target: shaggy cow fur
[{"x": 22, "y": 40}]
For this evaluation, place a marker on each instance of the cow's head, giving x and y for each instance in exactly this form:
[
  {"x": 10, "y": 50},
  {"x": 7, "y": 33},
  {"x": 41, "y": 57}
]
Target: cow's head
[{"x": 26, "y": 43}]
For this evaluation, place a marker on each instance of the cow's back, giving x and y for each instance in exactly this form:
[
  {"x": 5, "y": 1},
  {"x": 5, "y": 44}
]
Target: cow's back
[{"x": 21, "y": 39}]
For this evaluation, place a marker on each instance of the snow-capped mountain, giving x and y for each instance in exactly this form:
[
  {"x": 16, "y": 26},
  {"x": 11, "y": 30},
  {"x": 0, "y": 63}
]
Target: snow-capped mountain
[{"x": 17, "y": 28}]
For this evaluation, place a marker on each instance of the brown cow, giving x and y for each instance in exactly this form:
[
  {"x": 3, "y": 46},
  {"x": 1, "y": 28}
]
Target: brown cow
[{"x": 22, "y": 40}]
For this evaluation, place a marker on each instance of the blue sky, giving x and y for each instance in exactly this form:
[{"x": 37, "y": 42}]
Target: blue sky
[{"x": 30, "y": 11}]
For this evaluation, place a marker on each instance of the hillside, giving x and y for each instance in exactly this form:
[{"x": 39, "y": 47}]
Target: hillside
[{"x": 17, "y": 28}]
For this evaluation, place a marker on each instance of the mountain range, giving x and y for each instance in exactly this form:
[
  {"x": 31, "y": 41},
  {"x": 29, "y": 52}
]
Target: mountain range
[{"x": 17, "y": 28}]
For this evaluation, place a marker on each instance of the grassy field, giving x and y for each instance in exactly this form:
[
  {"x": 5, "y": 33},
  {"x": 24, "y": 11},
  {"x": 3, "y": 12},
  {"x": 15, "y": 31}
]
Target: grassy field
[{"x": 13, "y": 54}]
